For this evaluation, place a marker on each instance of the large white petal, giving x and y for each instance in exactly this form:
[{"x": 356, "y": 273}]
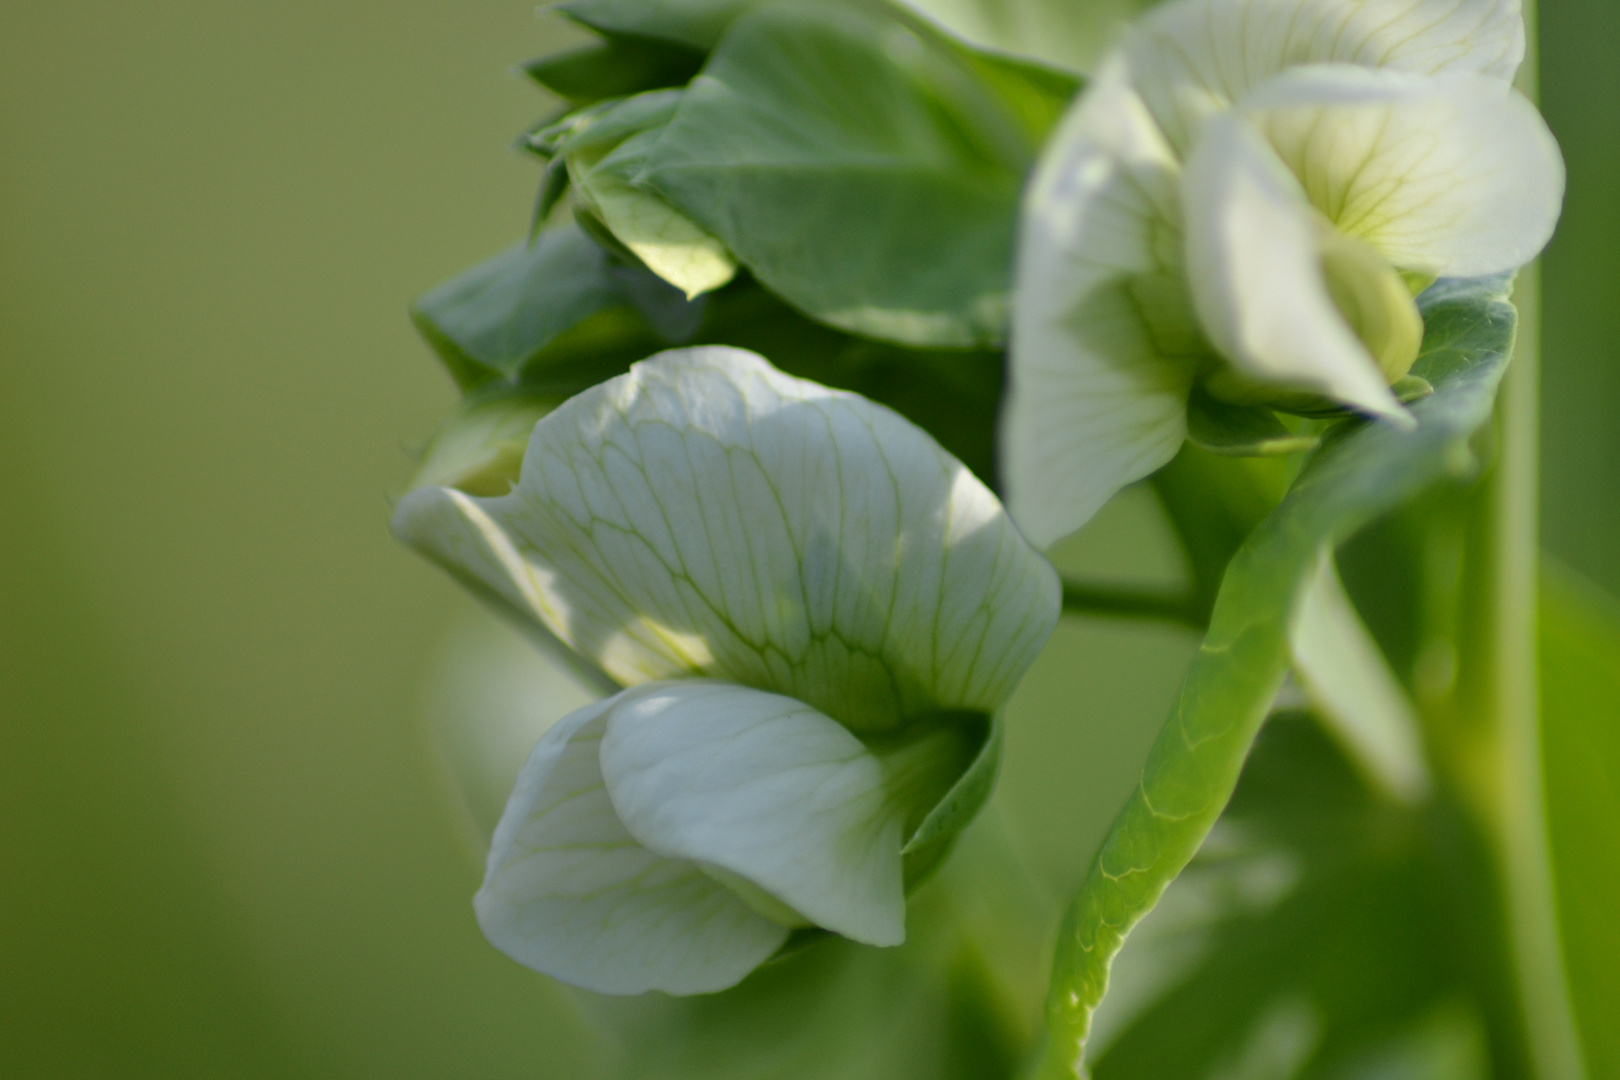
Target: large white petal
[
  {"x": 1256, "y": 274},
  {"x": 569, "y": 892},
  {"x": 766, "y": 788},
  {"x": 1103, "y": 347},
  {"x": 707, "y": 515},
  {"x": 1456, "y": 175},
  {"x": 1190, "y": 58}
]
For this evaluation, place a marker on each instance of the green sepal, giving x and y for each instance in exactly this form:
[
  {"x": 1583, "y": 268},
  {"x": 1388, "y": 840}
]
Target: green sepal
[
  {"x": 617, "y": 66},
  {"x": 1240, "y": 430},
  {"x": 933, "y": 839}
]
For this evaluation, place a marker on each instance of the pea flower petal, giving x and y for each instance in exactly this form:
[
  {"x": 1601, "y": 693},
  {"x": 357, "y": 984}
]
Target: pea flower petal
[
  {"x": 1257, "y": 277},
  {"x": 765, "y": 788},
  {"x": 1455, "y": 176},
  {"x": 1193, "y": 58},
  {"x": 706, "y": 515},
  {"x": 1103, "y": 344}
]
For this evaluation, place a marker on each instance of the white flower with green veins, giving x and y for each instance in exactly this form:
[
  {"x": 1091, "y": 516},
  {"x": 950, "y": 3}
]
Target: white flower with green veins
[
  {"x": 1244, "y": 201},
  {"x": 813, "y": 610}
]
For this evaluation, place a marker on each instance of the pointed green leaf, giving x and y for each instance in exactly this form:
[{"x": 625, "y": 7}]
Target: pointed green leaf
[{"x": 1361, "y": 471}]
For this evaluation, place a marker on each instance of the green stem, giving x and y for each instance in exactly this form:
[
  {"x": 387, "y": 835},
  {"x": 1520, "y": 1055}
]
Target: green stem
[
  {"x": 1511, "y": 500},
  {"x": 1133, "y": 602}
]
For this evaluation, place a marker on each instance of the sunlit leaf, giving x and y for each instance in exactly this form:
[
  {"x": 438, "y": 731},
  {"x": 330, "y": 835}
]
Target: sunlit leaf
[{"x": 1361, "y": 471}]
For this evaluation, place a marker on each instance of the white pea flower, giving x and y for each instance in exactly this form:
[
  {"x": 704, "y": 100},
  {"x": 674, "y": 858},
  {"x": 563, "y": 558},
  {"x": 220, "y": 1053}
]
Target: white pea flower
[
  {"x": 806, "y": 600},
  {"x": 1247, "y": 197}
]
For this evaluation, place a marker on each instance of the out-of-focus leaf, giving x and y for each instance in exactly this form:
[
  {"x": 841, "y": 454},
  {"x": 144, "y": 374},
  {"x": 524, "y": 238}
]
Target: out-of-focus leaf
[
  {"x": 862, "y": 165},
  {"x": 1580, "y": 695},
  {"x": 615, "y": 67},
  {"x": 1313, "y": 927},
  {"x": 1361, "y": 471}
]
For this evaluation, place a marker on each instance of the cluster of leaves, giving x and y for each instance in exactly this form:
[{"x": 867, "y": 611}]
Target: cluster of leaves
[{"x": 835, "y": 185}]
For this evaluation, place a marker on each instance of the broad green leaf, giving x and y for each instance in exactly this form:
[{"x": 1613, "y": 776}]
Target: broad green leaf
[
  {"x": 618, "y": 66},
  {"x": 900, "y": 152},
  {"x": 1361, "y": 471},
  {"x": 1580, "y": 697},
  {"x": 1315, "y": 923},
  {"x": 1239, "y": 430}
]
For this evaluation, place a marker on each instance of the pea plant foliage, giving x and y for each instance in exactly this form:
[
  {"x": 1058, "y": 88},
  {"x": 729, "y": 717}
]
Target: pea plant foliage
[{"x": 833, "y": 317}]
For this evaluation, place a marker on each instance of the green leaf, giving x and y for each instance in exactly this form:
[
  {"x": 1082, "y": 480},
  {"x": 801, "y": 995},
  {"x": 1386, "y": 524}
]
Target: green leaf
[
  {"x": 1580, "y": 696},
  {"x": 900, "y": 153},
  {"x": 1317, "y": 916},
  {"x": 1239, "y": 430},
  {"x": 1361, "y": 471},
  {"x": 618, "y": 66}
]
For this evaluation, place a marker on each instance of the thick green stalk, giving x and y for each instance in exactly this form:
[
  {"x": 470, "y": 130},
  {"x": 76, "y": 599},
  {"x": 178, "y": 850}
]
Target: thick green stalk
[{"x": 1511, "y": 501}]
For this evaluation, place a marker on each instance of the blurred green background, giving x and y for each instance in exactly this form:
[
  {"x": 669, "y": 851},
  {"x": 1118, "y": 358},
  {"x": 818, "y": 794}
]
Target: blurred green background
[{"x": 226, "y": 848}]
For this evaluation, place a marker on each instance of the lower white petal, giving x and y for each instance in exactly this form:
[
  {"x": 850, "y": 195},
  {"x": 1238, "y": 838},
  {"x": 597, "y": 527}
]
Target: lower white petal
[
  {"x": 569, "y": 892},
  {"x": 767, "y": 789},
  {"x": 1103, "y": 346},
  {"x": 1256, "y": 274}
]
